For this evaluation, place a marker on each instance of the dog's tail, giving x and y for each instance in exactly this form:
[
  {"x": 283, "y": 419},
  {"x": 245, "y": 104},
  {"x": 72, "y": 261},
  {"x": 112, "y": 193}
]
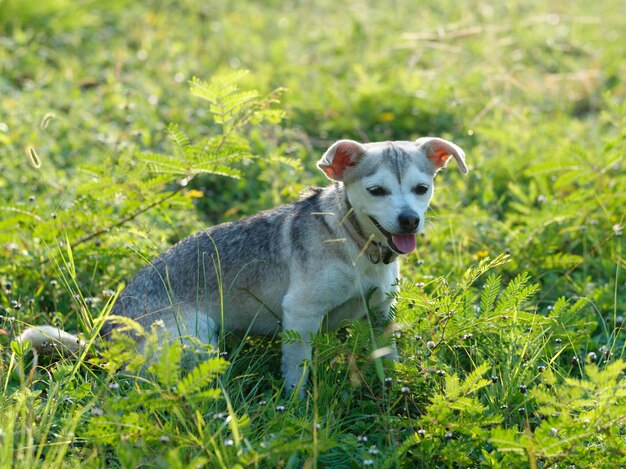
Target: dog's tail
[{"x": 47, "y": 338}]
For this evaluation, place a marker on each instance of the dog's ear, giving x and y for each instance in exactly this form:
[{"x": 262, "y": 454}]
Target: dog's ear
[
  {"x": 338, "y": 157},
  {"x": 439, "y": 152}
]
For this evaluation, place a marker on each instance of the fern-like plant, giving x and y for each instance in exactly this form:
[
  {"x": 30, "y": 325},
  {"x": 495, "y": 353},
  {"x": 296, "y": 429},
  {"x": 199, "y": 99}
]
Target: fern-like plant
[{"x": 101, "y": 215}]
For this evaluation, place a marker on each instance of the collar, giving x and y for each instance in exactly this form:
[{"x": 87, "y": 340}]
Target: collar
[{"x": 374, "y": 250}]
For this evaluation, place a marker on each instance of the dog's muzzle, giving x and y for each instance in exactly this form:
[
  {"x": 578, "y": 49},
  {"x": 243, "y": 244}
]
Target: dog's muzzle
[{"x": 402, "y": 243}]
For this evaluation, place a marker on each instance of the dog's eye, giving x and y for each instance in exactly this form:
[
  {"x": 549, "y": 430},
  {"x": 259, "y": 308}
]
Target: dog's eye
[
  {"x": 420, "y": 189},
  {"x": 377, "y": 191}
]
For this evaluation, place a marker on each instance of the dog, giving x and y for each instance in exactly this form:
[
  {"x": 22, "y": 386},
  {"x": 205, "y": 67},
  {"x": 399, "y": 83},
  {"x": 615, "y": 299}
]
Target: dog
[{"x": 298, "y": 267}]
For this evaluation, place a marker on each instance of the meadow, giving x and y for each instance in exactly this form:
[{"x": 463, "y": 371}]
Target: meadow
[{"x": 126, "y": 126}]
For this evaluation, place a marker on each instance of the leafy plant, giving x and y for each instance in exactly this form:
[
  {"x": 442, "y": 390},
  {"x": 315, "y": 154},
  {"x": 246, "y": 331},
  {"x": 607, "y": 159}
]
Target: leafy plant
[
  {"x": 164, "y": 405},
  {"x": 106, "y": 202},
  {"x": 581, "y": 419}
]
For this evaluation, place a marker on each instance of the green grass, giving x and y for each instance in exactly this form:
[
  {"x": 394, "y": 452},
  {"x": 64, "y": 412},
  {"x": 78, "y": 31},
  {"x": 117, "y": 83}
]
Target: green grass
[{"x": 533, "y": 92}]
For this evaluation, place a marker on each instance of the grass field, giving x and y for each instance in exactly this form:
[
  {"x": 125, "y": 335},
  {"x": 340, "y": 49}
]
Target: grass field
[{"x": 511, "y": 309}]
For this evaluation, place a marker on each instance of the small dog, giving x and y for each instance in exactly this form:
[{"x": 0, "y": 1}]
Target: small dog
[{"x": 297, "y": 267}]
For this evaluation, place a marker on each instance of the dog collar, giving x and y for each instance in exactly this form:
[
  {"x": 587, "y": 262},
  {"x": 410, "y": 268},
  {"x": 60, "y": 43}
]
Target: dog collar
[{"x": 374, "y": 250}]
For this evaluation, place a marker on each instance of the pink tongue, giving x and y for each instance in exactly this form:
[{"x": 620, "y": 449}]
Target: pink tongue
[{"x": 404, "y": 243}]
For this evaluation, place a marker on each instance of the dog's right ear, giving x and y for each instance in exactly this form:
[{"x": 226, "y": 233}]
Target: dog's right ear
[{"x": 338, "y": 157}]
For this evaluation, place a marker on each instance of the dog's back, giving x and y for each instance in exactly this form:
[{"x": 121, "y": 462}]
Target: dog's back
[{"x": 241, "y": 267}]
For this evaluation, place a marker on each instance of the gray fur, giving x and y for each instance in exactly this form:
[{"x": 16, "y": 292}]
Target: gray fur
[{"x": 249, "y": 257}]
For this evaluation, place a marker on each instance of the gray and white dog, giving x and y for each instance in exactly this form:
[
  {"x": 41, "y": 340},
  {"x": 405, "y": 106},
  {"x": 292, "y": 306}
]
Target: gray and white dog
[{"x": 299, "y": 266}]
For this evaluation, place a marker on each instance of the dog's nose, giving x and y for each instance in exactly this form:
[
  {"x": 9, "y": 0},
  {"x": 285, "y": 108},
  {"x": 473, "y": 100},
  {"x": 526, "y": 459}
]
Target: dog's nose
[{"x": 408, "y": 222}]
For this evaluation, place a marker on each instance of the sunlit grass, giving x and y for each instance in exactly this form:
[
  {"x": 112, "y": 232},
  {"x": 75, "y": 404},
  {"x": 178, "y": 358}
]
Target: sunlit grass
[{"x": 499, "y": 369}]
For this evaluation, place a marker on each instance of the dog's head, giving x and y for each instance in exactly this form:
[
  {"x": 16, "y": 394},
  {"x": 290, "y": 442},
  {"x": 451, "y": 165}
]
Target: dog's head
[{"x": 390, "y": 184}]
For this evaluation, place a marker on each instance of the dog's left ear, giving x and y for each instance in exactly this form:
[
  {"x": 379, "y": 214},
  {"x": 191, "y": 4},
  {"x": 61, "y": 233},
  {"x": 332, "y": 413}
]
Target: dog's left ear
[
  {"x": 338, "y": 157},
  {"x": 439, "y": 152}
]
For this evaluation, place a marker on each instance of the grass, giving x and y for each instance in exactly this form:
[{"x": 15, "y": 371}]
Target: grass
[{"x": 512, "y": 361}]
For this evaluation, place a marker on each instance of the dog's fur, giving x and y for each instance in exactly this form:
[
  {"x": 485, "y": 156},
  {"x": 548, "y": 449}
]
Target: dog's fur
[{"x": 300, "y": 265}]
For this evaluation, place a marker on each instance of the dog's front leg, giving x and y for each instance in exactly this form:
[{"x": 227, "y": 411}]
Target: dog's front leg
[{"x": 306, "y": 322}]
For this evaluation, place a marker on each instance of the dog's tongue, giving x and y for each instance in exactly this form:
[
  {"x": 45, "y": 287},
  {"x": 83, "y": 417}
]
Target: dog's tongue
[{"x": 404, "y": 242}]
